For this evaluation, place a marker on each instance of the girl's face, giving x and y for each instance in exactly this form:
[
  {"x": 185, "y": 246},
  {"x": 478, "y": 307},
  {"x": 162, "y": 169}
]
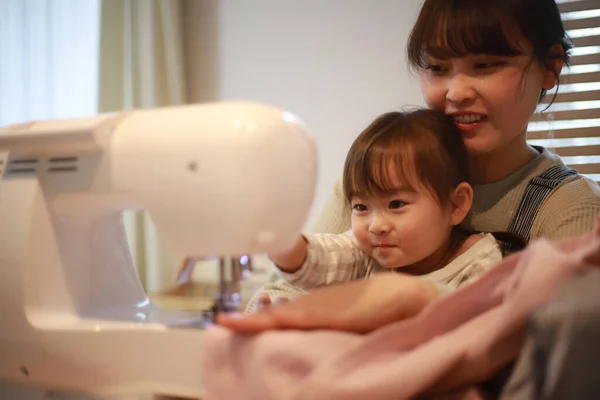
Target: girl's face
[
  {"x": 406, "y": 227},
  {"x": 492, "y": 98}
]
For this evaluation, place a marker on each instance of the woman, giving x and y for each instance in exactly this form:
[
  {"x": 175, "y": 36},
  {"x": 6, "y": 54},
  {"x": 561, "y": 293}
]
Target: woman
[{"x": 488, "y": 64}]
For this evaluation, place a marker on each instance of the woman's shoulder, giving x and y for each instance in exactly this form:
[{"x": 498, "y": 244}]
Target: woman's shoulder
[
  {"x": 335, "y": 215},
  {"x": 570, "y": 209},
  {"x": 578, "y": 189}
]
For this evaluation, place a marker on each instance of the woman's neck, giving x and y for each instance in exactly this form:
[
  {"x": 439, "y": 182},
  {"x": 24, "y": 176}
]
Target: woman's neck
[
  {"x": 501, "y": 163},
  {"x": 457, "y": 244}
]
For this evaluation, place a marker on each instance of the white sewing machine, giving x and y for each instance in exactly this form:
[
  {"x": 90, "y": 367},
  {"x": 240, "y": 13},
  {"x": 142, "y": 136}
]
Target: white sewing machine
[{"x": 222, "y": 179}]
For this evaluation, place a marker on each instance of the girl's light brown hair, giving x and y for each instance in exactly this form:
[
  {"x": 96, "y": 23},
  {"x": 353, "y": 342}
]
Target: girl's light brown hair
[{"x": 424, "y": 147}]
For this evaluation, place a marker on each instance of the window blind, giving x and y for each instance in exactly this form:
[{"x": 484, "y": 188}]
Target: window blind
[{"x": 571, "y": 126}]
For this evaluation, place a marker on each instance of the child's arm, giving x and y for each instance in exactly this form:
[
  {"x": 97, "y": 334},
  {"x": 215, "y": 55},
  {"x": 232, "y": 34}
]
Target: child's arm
[
  {"x": 292, "y": 259},
  {"x": 322, "y": 259}
]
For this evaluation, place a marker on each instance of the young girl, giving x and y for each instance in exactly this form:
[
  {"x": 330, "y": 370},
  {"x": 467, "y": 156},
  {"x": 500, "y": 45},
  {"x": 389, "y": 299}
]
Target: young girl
[
  {"x": 406, "y": 182},
  {"x": 486, "y": 64}
]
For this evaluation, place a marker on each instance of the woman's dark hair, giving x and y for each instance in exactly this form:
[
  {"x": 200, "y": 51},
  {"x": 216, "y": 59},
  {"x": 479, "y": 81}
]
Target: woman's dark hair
[{"x": 456, "y": 28}]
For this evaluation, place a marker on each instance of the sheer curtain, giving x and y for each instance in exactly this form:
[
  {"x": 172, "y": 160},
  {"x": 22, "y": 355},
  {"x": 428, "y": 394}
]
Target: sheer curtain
[
  {"x": 49, "y": 59},
  {"x": 142, "y": 66}
]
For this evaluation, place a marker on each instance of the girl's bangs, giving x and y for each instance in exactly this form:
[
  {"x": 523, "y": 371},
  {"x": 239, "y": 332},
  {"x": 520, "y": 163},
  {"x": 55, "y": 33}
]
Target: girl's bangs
[{"x": 380, "y": 171}]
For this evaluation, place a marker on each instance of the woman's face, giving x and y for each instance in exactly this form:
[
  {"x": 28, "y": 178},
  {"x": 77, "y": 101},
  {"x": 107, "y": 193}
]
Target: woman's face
[{"x": 492, "y": 98}]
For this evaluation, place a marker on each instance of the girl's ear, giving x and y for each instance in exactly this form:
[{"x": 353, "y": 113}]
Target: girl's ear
[
  {"x": 462, "y": 199},
  {"x": 554, "y": 66}
]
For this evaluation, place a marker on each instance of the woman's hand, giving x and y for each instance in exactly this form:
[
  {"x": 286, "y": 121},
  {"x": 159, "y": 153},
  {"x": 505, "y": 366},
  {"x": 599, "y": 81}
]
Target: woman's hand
[{"x": 358, "y": 306}]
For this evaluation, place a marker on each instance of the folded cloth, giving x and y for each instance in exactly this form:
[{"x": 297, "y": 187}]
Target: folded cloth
[
  {"x": 457, "y": 341},
  {"x": 561, "y": 355}
]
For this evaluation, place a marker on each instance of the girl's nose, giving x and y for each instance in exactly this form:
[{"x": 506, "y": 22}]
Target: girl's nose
[{"x": 379, "y": 225}]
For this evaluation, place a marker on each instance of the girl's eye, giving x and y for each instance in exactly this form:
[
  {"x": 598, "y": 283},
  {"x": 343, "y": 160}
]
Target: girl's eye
[
  {"x": 397, "y": 204},
  {"x": 359, "y": 207}
]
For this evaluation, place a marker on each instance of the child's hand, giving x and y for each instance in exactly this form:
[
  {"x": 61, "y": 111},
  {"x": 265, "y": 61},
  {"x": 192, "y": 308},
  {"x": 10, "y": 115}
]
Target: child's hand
[{"x": 265, "y": 301}]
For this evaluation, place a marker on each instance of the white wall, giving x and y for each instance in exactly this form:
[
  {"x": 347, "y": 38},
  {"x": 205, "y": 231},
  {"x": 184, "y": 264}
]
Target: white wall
[{"x": 335, "y": 63}]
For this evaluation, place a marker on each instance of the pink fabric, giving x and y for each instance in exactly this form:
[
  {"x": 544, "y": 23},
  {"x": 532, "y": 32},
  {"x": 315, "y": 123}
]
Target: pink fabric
[{"x": 457, "y": 341}]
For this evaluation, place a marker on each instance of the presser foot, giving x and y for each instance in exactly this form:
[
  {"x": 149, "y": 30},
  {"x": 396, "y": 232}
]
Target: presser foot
[{"x": 228, "y": 298}]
